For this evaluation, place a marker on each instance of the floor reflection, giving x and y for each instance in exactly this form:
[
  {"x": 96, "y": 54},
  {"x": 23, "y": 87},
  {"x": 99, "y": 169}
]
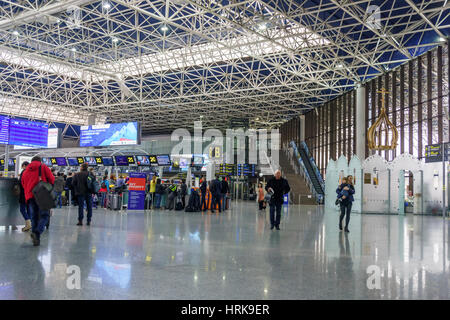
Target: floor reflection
[{"x": 234, "y": 255}]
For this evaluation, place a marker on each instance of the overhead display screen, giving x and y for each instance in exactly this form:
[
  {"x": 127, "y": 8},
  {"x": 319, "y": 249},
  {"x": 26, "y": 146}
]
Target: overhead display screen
[
  {"x": 142, "y": 160},
  {"x": 11, "y": 162},
  {"x": 28, "y": 133},
  {"x": 163, "y": 160},
  {"x": 52, "y": 140},
  {"x": 61, "y": 161},
  {"x": 153, "y": 160},
  {"x": 72, "y": 162},
  {"x": 121, "y": 161},
  {"x": 99, "y": 160},
  {"x": 90, "y": 161},
  {"x": 80, "y": 160},
  {"x": 47, "y": 162},
  {"x": 108, "y": 161},
  {"x": 4, "y": 130},
  {"x": 197, "y": 160},
  {"x": 112, "y": 134}
]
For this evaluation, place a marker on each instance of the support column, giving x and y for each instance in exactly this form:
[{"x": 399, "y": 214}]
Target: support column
[
  {"x": 302, "y": 127},
  {"x": 91, "y": 120},
  {"x": 360, "y": 121}
]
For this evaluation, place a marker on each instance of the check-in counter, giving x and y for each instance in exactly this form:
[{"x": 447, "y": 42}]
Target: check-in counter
[{"x": 9, "y": 204}]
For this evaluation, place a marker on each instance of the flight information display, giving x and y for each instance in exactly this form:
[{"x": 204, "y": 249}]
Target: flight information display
[
  {"x": 52, "y": 140},
  {"x": 121, "y": 161},
  {"x": 61, "y": 161},
  {"x": 73, "y": 162},
  {"x": 28, "y": 133},
  {"x": 80, "y": 160},
  {"x": 108, "y": 161},
  {"x": 112, "y": 134},
  {"x": 90, "y": 161},
  {"x": 4, "y": 130},
  {"x": 142, "y": 160},
  {"x": 163, "y": 160}
]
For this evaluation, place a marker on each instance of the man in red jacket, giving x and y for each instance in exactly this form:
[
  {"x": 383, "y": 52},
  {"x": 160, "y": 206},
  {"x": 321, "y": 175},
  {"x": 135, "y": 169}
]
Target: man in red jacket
[{"x": 30, "y": 178}]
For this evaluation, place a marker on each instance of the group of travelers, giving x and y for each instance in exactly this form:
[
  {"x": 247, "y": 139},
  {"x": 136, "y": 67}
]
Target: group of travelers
[
  {"x": 83, "y": 185},
  {"x": 176, "y": 193}
]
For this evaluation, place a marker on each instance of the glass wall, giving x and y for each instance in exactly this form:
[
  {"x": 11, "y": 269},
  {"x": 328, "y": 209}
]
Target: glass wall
[{"x": 418, "y": 92}]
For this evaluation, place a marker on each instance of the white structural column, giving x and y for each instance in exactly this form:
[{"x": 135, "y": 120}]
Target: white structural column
[
  {"x": 302, "y": 128},
  {"x": 360, "y": 122}
]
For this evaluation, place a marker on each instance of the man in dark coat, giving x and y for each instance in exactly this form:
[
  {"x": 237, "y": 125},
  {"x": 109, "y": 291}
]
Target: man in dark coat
[
  {"x": 83, "y": 194},
  {"x": 278, "y": 187},
  {"x": 216, "y": 194}
]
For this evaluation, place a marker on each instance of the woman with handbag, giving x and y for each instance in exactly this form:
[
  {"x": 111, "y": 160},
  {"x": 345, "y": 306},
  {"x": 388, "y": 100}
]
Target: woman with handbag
[
  {"x": 35, "y": 173},
  {"x": 345, "y": 193}
]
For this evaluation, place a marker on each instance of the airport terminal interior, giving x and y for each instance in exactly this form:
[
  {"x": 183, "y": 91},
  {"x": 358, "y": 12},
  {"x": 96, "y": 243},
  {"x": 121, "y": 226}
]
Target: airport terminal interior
[{"x": 224, "y": 150}]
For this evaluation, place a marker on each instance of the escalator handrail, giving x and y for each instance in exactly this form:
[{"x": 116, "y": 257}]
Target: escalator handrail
[
  {"x": 318, "y": 195},
  {"x": 313, "y": 164}
]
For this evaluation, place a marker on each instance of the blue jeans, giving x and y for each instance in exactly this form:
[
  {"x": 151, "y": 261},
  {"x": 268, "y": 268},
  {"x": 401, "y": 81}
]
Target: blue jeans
[
  {"x": 275, "y": 221},
  {"x": 25, "y": 211},
  {"x": 39, "y": 218},
  {"x": 224, "y": 201},
  {"x": 82, "y": 199},
  {"x": 58, "y": 199},
  {"x": 157, "y": 200}
]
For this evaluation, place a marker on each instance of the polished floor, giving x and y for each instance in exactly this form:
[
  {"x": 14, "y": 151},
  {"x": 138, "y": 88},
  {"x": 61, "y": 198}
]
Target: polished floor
[{"x": 234, "y": 255}]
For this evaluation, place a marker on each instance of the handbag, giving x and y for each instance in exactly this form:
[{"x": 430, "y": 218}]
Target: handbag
[{"x": 43, "y": 194}]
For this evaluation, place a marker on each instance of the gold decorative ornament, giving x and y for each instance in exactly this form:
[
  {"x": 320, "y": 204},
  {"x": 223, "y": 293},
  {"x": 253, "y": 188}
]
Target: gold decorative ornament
[{"x": 382, "y": 135}]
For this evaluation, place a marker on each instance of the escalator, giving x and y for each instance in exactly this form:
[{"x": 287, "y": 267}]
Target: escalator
[{"x": 309, "y": 165}]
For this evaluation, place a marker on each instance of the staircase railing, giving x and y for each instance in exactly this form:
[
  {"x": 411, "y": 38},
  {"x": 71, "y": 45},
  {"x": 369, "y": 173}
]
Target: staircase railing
[{"x": 299, "y": 168}]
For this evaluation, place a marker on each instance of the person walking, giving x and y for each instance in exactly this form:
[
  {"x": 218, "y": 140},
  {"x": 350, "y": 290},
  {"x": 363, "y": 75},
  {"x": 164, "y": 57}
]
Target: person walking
[
  {"x": 183, "y": 192},
  {"x": 345, "y": 193},
  {"x": 30, "y": 178},
  {"x": 159, "y": 191},
  {"x": 24, "y": 210},
  {"x": 69, "y": 187},
  {"x": 83, "y": 194},
  {"x": 261, "y": 196},
  {"x": 277, "y": 186},
  {"x": 225, "y": 189},
  {"x": 216, "y": 193},
  {"x": 203, "y": 187},
  {"x": 59, "y": 188},
  {"x": 152, "y": 190}
]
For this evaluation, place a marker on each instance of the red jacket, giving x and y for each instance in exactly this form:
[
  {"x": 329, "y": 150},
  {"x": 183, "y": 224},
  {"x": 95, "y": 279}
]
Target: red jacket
[{"x": 30, "y": 177}]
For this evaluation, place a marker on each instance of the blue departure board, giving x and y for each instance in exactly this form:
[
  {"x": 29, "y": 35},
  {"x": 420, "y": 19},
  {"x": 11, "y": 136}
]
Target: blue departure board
[
  {"x": 4, "y": 129},
  {"x": 28, "y": 133}
]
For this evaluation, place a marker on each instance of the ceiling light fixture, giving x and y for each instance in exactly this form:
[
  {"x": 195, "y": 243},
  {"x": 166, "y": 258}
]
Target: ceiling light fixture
[
  {"x": 106, "y": 5},
  {"x": 73, "y": 49},
  {"x": 441, "y": 39},
  {"x": 340, "y": 65},
  {"x": 262, "y": 27},
  {"x": 15, "y": 32},
  {"x": 164, "y": 28},
  {"x": 115, "y": 40}
]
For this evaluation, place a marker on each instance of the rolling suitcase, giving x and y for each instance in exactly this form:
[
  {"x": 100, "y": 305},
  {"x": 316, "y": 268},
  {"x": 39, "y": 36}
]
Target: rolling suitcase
[{"x": 117, "y": 202}]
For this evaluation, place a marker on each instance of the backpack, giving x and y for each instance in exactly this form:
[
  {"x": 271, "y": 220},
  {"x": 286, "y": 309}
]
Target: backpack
[
  {"x": 193, "y": 203},
  {"x": 179, "y": 204},
  {"x": 92, "y": 184},
  {"x": 104, "y": 185}
]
